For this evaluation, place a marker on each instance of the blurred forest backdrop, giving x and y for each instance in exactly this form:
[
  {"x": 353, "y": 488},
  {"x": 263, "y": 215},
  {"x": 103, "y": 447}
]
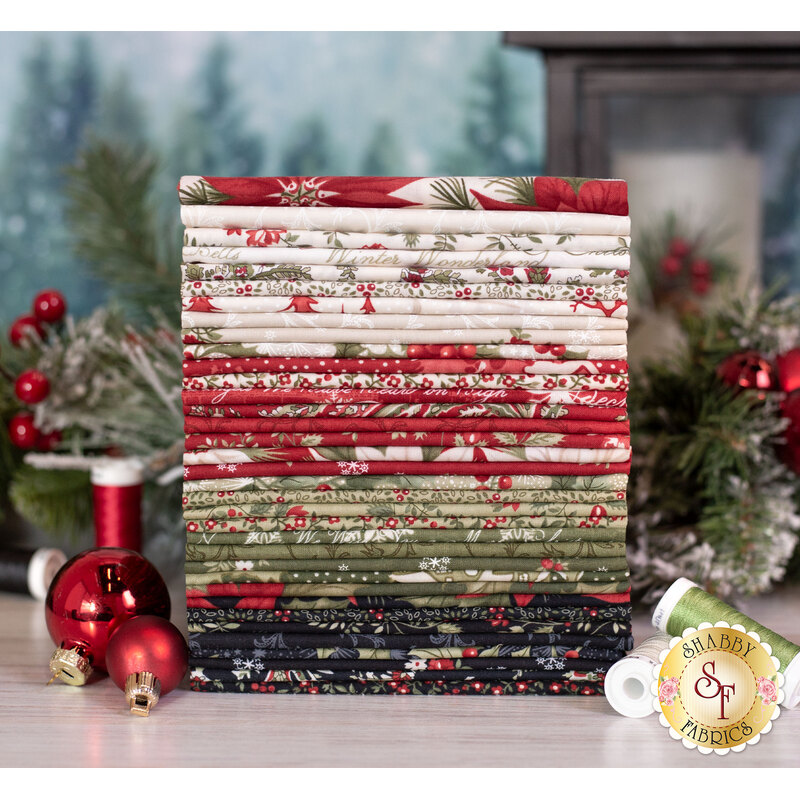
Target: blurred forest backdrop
[{"x": 244, "y": 103}]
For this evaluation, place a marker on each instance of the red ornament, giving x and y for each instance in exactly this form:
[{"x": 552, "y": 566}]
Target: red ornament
[
  {"x": 48, "y": 441},
  {"x": 22, "y": 431},
  {"x": 92, "y": 595},
  {"x": 747, "y": 370},
  {"x": 25, "y": 329},
  {"x": 679, "y": 248},
  {"x": 467, "y": 350},
  {"x": 789, "y": 370},
  {"x": 701, "y": 268},
  {"x": 49, "y": 305},
  {"x": 671, "y": 266},
  {"x": 701, "y": 286},
  {"x": 32, "y": 386},
  {"x": 146, "y": 657}
]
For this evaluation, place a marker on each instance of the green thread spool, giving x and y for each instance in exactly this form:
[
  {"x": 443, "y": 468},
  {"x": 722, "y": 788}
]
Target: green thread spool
[{"x": 686, "y": 605}]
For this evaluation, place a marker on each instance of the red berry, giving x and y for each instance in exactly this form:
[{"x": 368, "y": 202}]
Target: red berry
[
  {"x": 415, "y": 351},
  {"x": 671, "y": 266},
  {"x": 48, "y": 441},
  {"x": 22, "y": 432},
  {"x": 448, "y": 351},
  {"x": 32, "y": 386},
  {"x": 49, "y": 305},
  {"x": 701, "y": 285},
  {"x": 558, "y": 350},
  {"x": 701, "y": 268},
  {"x": 467, "y": 350},
  {"x": 24, "y": 329},
  {"x": 679, "y": 248},
  {"x": 504, "y": 482}
]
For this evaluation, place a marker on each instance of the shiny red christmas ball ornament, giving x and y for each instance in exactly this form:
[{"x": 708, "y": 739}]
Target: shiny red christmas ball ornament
[
  {"x": 32, "y": 386},
  {"x": 22, "y": 431},
  {"x": 49, "y": 306},
  {"x": 747, "y": 370},
  {"x": 788, "y": 365},
  {"x": 146, "y": 657},
  {"x": 91, "y": 596},
  {"x": 25, "y": 329}
]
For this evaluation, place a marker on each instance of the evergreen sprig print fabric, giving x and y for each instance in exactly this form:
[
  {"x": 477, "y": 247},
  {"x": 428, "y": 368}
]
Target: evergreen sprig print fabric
[{"x": 407, "y": 439}]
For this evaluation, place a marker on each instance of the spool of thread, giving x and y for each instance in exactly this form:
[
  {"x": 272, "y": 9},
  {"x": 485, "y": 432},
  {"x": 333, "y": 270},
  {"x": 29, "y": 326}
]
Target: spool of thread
[
  {"x": 117, "y": 494},
  {"x": 627, "y": 683},
  {"x": 29, "y": 571},
  {"x": 686, "y": 605}
]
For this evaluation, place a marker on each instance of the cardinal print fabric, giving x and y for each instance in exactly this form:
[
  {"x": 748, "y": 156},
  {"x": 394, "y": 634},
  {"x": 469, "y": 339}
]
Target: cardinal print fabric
[{"x": 406, "y": 433}]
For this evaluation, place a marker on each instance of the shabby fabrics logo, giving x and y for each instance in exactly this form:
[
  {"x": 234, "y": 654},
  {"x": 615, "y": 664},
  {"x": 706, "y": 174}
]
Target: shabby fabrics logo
[{"x": 717, "y": 688}]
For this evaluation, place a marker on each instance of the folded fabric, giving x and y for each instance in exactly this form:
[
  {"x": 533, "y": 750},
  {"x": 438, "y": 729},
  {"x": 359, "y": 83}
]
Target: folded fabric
[
  {"x": 232, "y": 307},
  {"x": 428, "y": 335},
  {"x": 459, "y": 592},
  {"x": 343, "y": 366},
  {"x": 270, "y": 596},
  {"x": 431, "y": 259},
  {"x": 405, "y": 426},
  {"x": 532, "y": 193},
  {"x": 200, "y": 683},
  {"x": 269, "y": 441},
  {"x": 334, "y": 482},
  {"x": 423, "y": 350},
  {"x": 210, "y": 499},
  {"x": 490, "y": 290},
  {"x": 551, "y": 551},
  {"x": 201, "y": 472},
  {"x": 409, "y": 220},
  {"x": 302, "y": 237},
  {"x": 284, "y": 273}
]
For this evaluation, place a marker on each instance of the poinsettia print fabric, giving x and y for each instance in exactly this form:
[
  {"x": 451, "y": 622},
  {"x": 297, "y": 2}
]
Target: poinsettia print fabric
[
  {"x": 406, "y": 433},
  {"x": 500, "y": 194}
]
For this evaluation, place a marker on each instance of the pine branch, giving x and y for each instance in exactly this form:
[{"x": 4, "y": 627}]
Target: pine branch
[{"x": 115, "y": 231}]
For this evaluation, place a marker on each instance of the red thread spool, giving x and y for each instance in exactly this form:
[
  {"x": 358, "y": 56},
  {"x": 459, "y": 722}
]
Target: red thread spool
[{"x": 117, "y": 492}]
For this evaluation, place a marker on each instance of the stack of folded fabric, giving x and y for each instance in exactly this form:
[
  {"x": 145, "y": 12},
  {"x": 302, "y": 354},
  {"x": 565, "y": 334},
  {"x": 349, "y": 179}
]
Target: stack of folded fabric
[{"x": 407, "y": 443}]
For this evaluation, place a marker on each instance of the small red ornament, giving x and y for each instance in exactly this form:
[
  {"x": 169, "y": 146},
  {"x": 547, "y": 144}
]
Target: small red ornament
[
  {"x": 92, "y": 595},
  {"x": 701, "y": 268},
  {"x": 49, "y": 305},
  {"x": 679, "y": 248},
  {"x": 22, "y": 431},
  {"x": 789, "y": 370},
  {"x": 671, "y": 266},
  {"x": 146, "y": 657},
  {"x": 467, "y": 350},
  {"x": 701, "y": 286},
  {"x": 48, "y": 441},
  {"x": 747, "y": 370},
  {"x": 25, "y": 329},
  {"x": 32, "y": 386}
]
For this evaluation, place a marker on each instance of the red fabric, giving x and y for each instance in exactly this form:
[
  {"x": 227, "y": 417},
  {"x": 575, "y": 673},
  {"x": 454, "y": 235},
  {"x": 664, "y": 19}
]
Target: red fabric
[
  {"x": 388, "y": 366},
  {"x": 207, "y": 425},
  {"x": 485, "y": 468}
]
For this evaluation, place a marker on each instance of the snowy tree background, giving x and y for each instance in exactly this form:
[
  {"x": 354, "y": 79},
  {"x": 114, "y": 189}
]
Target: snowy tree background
[{"x": 245, "y": 103}]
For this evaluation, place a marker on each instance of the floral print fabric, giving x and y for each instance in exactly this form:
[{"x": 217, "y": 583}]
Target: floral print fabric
[{"x": 407, "y": 441}]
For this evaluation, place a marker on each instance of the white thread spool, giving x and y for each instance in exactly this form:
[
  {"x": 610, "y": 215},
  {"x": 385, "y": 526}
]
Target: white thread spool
[{"x": 627, "y": 684}]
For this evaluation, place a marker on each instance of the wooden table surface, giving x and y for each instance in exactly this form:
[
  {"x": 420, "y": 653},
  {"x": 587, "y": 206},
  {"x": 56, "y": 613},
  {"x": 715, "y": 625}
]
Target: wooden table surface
[{"x": 90, "y": 726}]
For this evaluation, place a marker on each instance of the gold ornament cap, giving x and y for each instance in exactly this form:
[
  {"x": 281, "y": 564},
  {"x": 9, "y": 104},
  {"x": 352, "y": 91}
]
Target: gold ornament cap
[
  {"x": 70, "y": 667},
  {"x": 142, "y": 689}
]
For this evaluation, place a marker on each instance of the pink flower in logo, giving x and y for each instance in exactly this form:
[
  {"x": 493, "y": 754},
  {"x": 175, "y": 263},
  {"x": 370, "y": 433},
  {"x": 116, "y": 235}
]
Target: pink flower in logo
[
  {"x": 766, "y": 690},
  {"x": 668, "y": 691}
]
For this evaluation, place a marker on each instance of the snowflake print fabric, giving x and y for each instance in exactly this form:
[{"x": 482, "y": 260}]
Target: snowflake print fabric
[{"x": 406, "y": 433}]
